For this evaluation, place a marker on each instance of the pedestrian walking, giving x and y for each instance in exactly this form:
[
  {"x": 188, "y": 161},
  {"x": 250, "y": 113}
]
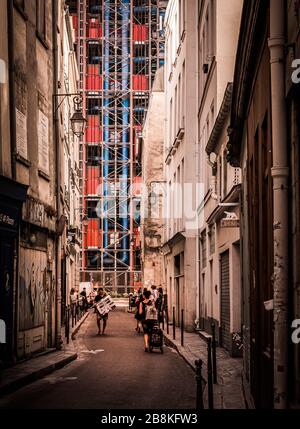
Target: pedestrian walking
[
  {"x": 84, "y": 302},
  {"x": 159, "y": 304},
  {"x": 148, "y": 313},
  {"x": 154, "y": 292},
  {"x": 138, "y": 316},
  {"x": 92, "y": 296},
  {"x": 73, "y": 302},
  {"x": 100, "y": 295}
]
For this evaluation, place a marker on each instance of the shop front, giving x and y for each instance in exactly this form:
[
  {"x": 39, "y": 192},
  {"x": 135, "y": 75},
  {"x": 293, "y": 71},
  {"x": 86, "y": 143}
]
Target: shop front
[{"x": 12, "y": 196}]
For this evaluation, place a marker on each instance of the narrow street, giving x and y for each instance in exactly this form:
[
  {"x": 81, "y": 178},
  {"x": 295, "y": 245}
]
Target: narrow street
[{"x": 112, "y": 372}]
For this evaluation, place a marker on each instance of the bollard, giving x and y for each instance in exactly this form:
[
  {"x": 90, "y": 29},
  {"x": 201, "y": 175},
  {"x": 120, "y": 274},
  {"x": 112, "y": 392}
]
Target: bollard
[
  {"x": 67, "y": 324},
  {"x": 174, "y": 325},
  {"x": 182, "y": 327},
  {"x": 209, "y": 376},
  {"x": 214, "y": 353},
  {"x": 199, "y": 390},
  {"x": 167, "y": 320},
  {"x": 72, "y": 314}
]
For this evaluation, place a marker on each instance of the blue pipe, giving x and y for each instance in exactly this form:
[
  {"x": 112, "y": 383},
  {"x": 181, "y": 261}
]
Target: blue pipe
[
  {"x": 138, "y": 60},
  {"x": 106, "y": 136},
  {"x": 144, "y": 9},
  {"x": 125, "y": 11}
]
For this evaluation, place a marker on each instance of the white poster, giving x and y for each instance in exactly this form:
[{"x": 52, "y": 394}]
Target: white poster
[
  {"x": 43, "y": 139},
  {"x": 105, "y": 305},
  {"x": 21, "y": 133}
]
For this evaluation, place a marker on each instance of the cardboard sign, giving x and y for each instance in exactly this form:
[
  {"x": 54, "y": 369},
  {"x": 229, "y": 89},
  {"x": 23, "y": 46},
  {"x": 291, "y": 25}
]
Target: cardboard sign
[{"x": 105, "y": 305}]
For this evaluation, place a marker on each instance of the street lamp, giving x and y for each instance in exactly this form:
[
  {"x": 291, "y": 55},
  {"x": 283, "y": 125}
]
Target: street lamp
[{"x": 78, "y": 121}]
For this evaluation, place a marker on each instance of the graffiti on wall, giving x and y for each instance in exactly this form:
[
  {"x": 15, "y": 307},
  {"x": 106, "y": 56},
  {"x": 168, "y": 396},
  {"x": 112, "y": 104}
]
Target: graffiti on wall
[{"x": 34, "y": 290}]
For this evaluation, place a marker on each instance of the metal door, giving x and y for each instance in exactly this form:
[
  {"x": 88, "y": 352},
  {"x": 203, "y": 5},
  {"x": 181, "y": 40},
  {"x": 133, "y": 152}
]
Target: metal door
[
  {"x": 6, "y": 294},
  {"x": 225, "y": 302}
]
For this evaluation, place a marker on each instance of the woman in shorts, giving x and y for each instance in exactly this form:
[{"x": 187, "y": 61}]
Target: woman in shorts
[{"x": 146, "y": 323}]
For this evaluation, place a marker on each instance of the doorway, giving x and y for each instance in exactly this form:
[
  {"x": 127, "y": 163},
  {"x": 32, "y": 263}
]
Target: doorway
[{"x": 225, "y": 340}]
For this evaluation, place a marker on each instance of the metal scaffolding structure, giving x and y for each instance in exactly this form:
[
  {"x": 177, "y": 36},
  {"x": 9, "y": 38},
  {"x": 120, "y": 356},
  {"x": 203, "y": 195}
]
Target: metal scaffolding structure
[{"x": 120, "y": 46}]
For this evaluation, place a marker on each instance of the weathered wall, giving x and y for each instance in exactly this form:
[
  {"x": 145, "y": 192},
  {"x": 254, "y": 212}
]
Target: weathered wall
[
  {"x": 5, "y": 154},
  {"x": 153, "y": 177}
]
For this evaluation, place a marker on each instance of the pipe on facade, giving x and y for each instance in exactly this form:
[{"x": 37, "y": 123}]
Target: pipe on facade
[
  {"x": 12, "y": 91},
  {"x": 107, "y": 260},
  {"x": 125, "y": 10},
  {"x": 280, "y": 174},
  {"x": 56, "y": 138}
]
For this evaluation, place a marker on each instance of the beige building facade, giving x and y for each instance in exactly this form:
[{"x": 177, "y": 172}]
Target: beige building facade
[
  {"x": 218, "y": 25},
  {"x": 180, "y": 242},
  {"x": 220, "y": 285},
  {"x": 35, "y": 48},
  {"x": 72, "y": 193},
  {"x": 152, "y": 155}
]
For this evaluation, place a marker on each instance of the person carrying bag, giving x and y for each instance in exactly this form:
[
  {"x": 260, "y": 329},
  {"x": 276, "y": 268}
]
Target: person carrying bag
[{"x": 149, "y": 316}]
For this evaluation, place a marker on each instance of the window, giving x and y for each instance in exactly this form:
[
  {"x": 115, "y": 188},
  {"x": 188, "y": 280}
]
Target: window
[
  {"x": 182, "y": 13},
  {"x": 213, "y": 28},
  {"x": 94, "y": 106},
  {"x": 212, "y": 240},
  {"x": 41, "y": 18},
  {"x": 175, "y": 112},
  {"x": 92, "y": 209},
  {"x": 93, "y": 155},
  {"x": 93, "y": 259},
  {"x": 171, "y": 122},
  {"x": 212, "y": 113},
  {"x": 179, "y": 102},
  {"x": 224, "y": 190},
  {"x": 72, "y": 6},
  {"x": 94, "y": 52},
  {"x": 183, "y": 97},
  {"x": 94, "y": 7}
]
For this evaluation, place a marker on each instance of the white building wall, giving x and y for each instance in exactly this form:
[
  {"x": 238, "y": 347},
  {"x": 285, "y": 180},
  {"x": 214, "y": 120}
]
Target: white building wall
[
  {"x": 181, "y": 98},
  {"x": 217, "y": 28}
]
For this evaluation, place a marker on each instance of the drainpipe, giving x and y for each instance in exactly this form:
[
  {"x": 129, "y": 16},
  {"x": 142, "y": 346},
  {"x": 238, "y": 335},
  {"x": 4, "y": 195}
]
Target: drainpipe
[
  {"x": 280, "y": 174},
  {"x": 12, "y": 91},
  {"x": 56, "y": 138}
]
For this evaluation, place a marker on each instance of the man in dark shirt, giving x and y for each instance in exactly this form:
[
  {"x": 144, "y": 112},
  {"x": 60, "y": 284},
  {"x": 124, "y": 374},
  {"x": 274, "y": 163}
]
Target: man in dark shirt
[
  {"x": 84, "y": 299},
  {"x": 100, "y": 295}
]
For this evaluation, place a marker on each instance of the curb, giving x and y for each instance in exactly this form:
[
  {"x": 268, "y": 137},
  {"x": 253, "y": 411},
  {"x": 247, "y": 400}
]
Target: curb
[
  {"x": 78, "y": 325},
  {"x": 42, "y": 372},
  {"x": 170, "y": 343},
  {"x": 218, "y": 388},
  {"x": 36, "y": 375}
]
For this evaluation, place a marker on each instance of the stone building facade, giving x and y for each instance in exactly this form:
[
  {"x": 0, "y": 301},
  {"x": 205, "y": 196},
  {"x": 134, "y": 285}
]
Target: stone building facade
[
  {"x": 180, "y": 243},
  {"x": 264, "y": 143},
  {"x": 218, "y": 269},
  {"x": 152, "y": 155},
  {"x": 32, "y": 134}
]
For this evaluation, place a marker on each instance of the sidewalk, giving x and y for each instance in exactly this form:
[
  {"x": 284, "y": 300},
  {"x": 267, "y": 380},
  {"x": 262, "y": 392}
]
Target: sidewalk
[
  {"x": 228, "y": 393},
  {"x": 23, "y": 373}
]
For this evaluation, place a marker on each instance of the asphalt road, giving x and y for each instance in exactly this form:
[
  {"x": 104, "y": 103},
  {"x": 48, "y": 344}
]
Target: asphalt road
[{"x": 112, "y": 372}]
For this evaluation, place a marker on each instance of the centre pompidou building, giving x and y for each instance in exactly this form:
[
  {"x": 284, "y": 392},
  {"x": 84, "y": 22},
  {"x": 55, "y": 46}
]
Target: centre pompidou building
[{"x": 120, "y": 46}]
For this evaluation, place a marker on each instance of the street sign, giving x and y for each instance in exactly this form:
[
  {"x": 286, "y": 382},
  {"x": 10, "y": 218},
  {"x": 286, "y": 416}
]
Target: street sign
[{"x": 230, "y": 223}]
